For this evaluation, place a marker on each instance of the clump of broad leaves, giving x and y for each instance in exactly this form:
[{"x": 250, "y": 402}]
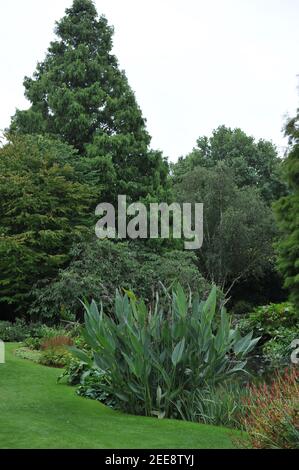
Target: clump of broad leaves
[{"x": 151, "y": 357}]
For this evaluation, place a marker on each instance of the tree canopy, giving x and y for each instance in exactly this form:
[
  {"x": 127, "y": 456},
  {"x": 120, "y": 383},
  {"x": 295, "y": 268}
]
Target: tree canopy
[
  {"x": 254, "y": 163},
  {"x": 97, "y": 267},
  {"x": 44, "y": 209},
  {"x": 238, "y": 225},
  {"x": 79, "y": 94}
]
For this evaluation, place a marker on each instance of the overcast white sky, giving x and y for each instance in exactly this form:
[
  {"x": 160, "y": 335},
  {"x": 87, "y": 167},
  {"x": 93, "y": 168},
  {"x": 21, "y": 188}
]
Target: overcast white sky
[{"x": 193, "y": 64}]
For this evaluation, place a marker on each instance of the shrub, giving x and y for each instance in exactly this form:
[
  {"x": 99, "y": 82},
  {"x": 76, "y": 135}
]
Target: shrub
[
  {"x": 33, "y": 333},
  {"x": 52, "y": 357},
  {"x": 241, "y": 307},
  {"x": 4, "y": 326},
  {"x": 40, "y": 334},
  {"x": 74, "y": 371},
  {"x": 14, "y": 332},
  {"x": 153, "y": 356},
  {"x": 56, "y": 342},
  {"x": 278, "y": 326},
  {"x": 55, "y": 351},
  {"x": 32, "y": 343},
  {"x": 90, "y": 275},
  {"x": 91, "y": 381},
  {"x": 93, "y": 384},
  {"x": 267, "y": 319},
  {"x": 272, "y": 420},
  {"x": 55, "y": 357},
  {"x": 39, "y": 330},
  {"x": 279, "y": 347}
]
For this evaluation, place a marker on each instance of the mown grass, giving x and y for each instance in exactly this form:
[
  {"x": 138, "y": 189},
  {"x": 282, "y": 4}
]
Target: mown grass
[{"x": 38, "y": 413}]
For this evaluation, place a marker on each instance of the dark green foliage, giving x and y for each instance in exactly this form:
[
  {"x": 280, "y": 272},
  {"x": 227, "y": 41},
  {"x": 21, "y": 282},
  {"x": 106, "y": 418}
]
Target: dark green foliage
[
  {"x": 78, "y": 91},
  {"x": 79, "y": 94},
  {"x": 241, "y": 307},
  {"x": 265, "y": 320},
  {"x": 74, "y": 371},
  {"x": 33, "y": 334},
  {"x": 251, "y": 292},
  {"x": 44, "y": 209},
  {"x": 33, "y": 343},
  {"x": 287, "y": 213},
  {"x": 253, "y": 163},
  {"x": 278, "y": 326},
  {"x": 89, "y": 379},
  {"x": 99, "y": 267},
  {"x": 92, "y": 385},
  {"x": 238, "y": 225},
  {"x": 237, "y": 178},
  {"x": 14, "y": 332},
  {"x": 153, "y": 356},
  {"x": 279, "y": 348}
]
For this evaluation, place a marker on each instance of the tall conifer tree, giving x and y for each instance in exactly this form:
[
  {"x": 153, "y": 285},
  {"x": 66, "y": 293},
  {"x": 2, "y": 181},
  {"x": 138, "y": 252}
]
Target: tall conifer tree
[
  {"x": 79, "y": 94},
  {"x": 287, "y": 211}
]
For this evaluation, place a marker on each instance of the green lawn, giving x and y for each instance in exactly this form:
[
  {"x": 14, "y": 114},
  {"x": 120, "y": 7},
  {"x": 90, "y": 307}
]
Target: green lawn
[{"x": 36, "y": 412}]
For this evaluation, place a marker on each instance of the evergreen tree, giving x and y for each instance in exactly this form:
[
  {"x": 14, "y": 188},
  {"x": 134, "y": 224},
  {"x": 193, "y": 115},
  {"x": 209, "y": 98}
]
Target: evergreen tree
[
  {"x": 287, "y": 211},
  {"x": 43, "y": 212},
  {"x": 79, "y": 94}
]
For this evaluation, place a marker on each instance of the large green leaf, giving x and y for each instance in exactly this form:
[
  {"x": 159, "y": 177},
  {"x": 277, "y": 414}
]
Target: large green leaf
[
  {"x": 178, "y": 352},
  {"x": 209, "y": 308},
  {"x": 140, "y": 349},
  {"x": 181, "y": 301},
  {"x": 81, "y": 355}
]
